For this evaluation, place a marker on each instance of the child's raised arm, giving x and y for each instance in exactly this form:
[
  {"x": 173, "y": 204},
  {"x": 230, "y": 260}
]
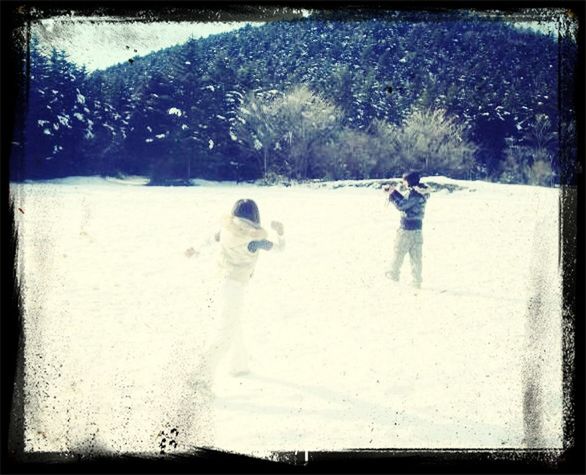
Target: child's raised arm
[
  {"x": 279, "y": 229},
  {"x": 423, "y": 190},
  {"x": 206, "y": 243}
]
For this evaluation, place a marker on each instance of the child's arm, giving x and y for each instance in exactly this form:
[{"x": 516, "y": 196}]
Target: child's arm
[
  {"x": 267, "y": 245},
  {"x": 423, "y": 190},
  {"x": 400, "y": 202},
  {"x": 206, "y": 243},
  {"x": 280, "y": 231}
]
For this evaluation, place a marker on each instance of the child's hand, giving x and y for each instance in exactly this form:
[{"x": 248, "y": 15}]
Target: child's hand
[
  {"x": 278, "y": 227},
  {"x": 388, "y": 188},
  {"x": 190, "y": 252}
]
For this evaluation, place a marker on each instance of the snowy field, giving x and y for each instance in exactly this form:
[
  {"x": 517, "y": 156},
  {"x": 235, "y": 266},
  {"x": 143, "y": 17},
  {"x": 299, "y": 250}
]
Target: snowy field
[{"x": 117, "y": 316}]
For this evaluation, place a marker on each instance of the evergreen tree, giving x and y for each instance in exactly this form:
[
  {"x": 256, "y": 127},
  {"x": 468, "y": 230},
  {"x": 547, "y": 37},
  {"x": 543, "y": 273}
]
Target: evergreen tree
[
  {"x": 55, "y": 121},
  {"x": 374, "y": 70},
  {"x": 39, "y": 142},
  {"x": 151, "y": 127}
]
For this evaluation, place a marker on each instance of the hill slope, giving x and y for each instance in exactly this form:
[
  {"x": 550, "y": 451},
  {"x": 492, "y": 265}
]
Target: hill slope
[{"x": 498, "y": 81}]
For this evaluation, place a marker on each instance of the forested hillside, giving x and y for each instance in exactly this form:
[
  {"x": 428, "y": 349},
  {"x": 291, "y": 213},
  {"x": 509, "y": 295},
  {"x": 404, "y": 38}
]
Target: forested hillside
[{"x": 314, "y": 98}]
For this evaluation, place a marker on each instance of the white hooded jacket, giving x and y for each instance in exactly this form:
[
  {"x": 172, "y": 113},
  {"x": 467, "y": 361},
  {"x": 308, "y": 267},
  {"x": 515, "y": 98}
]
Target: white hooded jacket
[{"x": 236, "y": 261}]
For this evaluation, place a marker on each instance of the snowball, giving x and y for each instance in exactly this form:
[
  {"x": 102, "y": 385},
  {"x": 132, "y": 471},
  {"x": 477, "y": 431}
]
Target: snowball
[{"x": 211, "y": 144}]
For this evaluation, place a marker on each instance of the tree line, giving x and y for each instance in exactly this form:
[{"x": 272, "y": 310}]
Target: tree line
[{"x": 316, "y": 98}]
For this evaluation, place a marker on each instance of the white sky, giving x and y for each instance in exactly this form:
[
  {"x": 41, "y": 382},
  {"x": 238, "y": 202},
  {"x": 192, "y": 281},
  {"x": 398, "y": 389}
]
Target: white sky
[
  {"x": 99, "y": 43},
  {"x": 548, "y": 28}
]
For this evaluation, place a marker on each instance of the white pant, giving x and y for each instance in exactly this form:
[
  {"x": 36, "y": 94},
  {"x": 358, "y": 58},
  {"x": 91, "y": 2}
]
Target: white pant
[
  {"x": 408, "y": 241},
  {"x": 230, "y": 334}
]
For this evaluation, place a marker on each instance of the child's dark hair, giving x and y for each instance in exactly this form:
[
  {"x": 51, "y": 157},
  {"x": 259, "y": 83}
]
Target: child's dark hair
[
  {"x": 246, "y": 209},
  {"x": 412, "y": 178}
]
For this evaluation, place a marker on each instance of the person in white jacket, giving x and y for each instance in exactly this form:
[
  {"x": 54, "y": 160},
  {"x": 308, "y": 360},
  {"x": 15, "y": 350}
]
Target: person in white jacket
[{"x": 241, "y": 239}]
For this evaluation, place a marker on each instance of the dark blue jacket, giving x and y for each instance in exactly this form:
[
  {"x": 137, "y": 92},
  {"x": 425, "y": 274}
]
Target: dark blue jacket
[{"x": 411, "y": 206}]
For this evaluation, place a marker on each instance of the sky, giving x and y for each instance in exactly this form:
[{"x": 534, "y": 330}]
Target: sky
[{"x": 99, "y": 43}]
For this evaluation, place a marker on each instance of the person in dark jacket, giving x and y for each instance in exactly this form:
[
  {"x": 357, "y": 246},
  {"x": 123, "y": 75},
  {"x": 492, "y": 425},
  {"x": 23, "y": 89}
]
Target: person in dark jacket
[{"x": 409, "y": 237}]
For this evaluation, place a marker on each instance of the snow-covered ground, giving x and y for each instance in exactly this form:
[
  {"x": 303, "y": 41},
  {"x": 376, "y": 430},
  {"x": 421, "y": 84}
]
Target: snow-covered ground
[{"x": 117, "y": 316}]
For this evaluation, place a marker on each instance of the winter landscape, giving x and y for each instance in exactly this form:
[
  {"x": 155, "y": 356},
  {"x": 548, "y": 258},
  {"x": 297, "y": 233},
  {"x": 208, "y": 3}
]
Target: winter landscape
[
  {"x": 134, "y": 139},
  {"x": 116, "y": 317}
]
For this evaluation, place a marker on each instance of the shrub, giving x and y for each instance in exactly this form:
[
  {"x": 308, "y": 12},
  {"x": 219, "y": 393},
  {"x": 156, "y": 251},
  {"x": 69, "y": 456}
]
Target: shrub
[{"x": 434, "y": 143}]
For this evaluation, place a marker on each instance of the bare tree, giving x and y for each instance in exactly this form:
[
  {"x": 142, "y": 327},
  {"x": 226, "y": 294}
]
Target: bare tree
[
  {"x": 305, "y": 120},
  {"x": 530, "y": 160},
  {"x": 434, "y": 142},
  {"x": 350, "y": 154},
  {"x": 255, "y": 129},
  {"x": 285, "y": 129},
  {"x": 385, "y": 149}
]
